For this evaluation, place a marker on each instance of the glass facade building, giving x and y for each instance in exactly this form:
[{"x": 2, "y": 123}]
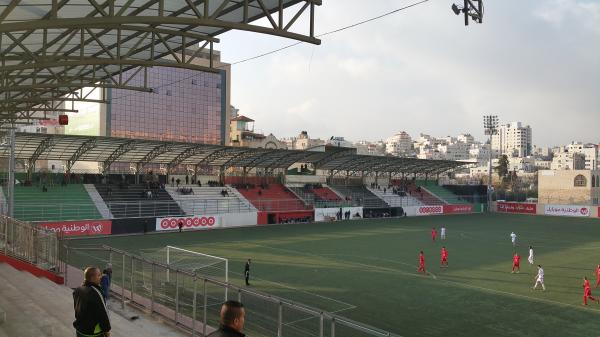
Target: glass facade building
[{"x": 187, "y": 106}]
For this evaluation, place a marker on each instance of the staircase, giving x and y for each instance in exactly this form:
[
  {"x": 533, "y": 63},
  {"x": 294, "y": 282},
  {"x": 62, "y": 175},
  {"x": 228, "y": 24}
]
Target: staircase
[
  {"x": 98, "y": 201},
  {"x": 394, "y": 200},
  {"x": 208, "y": 200}
]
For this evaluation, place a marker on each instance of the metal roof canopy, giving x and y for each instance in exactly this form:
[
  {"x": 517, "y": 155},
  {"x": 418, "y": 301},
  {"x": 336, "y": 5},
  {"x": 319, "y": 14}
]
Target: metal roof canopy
[
  {"x": 108, "y": 150},
  {"x": 51, "y": 48}
]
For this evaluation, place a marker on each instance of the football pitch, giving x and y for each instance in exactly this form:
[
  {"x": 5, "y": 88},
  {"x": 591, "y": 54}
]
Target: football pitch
[{"x": 366, "y": 270}]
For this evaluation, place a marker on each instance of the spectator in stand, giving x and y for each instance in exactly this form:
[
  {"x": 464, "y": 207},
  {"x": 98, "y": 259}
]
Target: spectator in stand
[
  {"x": 172, "y": 181},
  {"x": 178, "y": 181},
  {"x": 105, "y": 284},
  {"x": 91, "y": 314},
  {"x": 232, "y": 320},
  {"x": 187, "y": 179}
]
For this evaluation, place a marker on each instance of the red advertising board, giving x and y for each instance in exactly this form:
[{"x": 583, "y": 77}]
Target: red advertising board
[
  {"x": 430, "y": 210},
  {"x": 79, "y": 228},
  {"x": 458, "y": 209},
  {"x": 189, "y": 223},
  {"x": 517, "y": 207}
]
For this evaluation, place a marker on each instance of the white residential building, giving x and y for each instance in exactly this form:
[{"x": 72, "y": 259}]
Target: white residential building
[
  {"x": 466, "y": 138},
  {"x": 590, "y": 151},
  {"x": 370, "y": 148},
  {"x": 568, "y": 161},
  {"x": 513, "y": 139},
  {"x": 399, "y": 144}
]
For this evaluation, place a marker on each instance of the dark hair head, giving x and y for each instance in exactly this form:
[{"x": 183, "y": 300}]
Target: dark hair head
[
  {"x": 231, "y": 311},
  {"x": 539, "y": 265},
  {"x": 90, "y": 272},
  {"x": 421, "y": 252}
]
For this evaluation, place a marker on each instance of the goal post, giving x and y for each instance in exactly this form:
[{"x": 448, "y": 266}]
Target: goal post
[{"x": 210, "y": 266}]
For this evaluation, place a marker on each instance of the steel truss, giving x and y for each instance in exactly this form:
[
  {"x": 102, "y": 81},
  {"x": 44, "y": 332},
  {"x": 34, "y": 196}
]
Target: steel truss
[{"x": 50, "y": 49}]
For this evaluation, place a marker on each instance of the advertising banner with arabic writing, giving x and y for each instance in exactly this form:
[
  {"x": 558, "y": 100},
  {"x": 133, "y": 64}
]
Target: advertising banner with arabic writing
[
  {"x": 79, "y": 228},
  {"x": 517, "y": 207},
  {"x": 567, "y": 210}
]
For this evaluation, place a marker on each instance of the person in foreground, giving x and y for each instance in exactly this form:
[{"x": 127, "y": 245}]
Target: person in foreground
[
  {"x": 91, "y": 314},
  {"x": 232, "y": 320}
]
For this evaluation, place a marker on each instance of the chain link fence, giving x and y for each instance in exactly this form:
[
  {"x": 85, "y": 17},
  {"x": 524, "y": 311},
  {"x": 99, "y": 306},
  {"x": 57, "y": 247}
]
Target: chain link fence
[{"x": 193, "y": 301}]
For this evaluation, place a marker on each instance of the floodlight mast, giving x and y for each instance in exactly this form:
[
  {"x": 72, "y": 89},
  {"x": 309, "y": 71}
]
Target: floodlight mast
[
  {"x": 470, "y": 8},
  {"x": 490, "y": 125}
]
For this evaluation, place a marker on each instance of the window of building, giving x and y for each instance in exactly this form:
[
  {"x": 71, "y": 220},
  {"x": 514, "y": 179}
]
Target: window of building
[
  {"x": 593, "y": 181},
  {"x": 580, "y": 181}
]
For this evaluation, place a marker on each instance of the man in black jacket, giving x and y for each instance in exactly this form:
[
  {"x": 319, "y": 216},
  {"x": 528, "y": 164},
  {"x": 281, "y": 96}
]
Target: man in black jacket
[
  {"x": 247, "y": 272},
  {"x": 232, "y": 320},
  {"x": 91, "y": 314}
]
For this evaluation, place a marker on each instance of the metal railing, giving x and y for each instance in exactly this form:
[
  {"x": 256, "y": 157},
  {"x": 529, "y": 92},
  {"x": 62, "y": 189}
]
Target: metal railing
[
  {"x": 193, "y": 301},
  {"x": 31, "y": 244}
]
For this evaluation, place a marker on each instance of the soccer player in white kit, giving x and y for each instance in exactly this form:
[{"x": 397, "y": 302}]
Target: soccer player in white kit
[
  {"x": 513, "y": 238},
  {"x": 530, "y": 258},
  {"x": 539, "y": 279},
  {"x": 443, "y": 233}
]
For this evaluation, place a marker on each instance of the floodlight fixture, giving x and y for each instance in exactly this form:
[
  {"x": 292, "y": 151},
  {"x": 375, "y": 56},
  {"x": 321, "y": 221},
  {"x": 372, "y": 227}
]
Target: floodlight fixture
[
  {"x": 456, "y": 9},
  {"x": 472, "y": 9}
]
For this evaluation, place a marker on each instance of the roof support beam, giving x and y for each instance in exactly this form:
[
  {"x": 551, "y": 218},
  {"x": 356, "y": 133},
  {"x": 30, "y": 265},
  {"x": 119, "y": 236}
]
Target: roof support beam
[
  {"x": 86, "y": 146},
  {"x": 117, "y": 153}
]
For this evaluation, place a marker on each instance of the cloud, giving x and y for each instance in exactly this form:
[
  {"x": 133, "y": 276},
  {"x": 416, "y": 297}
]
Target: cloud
[
  {"x": 424, "y": 71},
  {"x": 561, "y": 12}
]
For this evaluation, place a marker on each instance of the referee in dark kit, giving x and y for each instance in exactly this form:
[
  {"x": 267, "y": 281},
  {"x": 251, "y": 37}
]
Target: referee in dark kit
[{"x": 247, "y": 271}]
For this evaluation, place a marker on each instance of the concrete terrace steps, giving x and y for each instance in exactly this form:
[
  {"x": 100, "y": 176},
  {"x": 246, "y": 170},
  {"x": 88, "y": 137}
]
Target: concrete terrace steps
[
  {"x": 208, "y": 200},
  {"x": 29, "y": 310},
  {"x": 38, "y": 307},
  {"x": 98, "y": 201},
  {"x": 395, "y": 200}
]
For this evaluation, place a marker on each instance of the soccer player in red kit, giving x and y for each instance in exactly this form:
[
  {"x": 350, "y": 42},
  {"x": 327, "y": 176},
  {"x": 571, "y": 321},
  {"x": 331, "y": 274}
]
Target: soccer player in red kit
[
  {"x": 433, "y": 234},
  {"x": 516, "y": 260},
  {"x": 587, "y": 292},
  {"x": 421, "y": 263},
  {"x": 598, "y": 275},
  {"x": 444, "y": 262}
]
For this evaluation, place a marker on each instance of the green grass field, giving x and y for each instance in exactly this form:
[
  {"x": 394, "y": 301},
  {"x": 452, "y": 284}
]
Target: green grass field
[{"x": 366, "y": 270}]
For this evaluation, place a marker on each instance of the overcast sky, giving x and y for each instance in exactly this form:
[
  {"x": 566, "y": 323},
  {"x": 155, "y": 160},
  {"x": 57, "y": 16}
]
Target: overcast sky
[{"x": 422, "y": 70}]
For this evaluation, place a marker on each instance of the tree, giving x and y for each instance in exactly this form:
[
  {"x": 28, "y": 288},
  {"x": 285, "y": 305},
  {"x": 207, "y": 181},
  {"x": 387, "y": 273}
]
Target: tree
[{"x": 502, "y": 168}]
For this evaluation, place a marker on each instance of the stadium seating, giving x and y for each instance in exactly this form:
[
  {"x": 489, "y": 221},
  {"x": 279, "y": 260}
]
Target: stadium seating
[
  {"x": 443, "y": 193},
  {"x": 424, "y": 196},
  {"x": 130, "y": 201},
  {"x": 38, "y": 307},
  {"x": 395, "y": 200},
  {"x": 68, "y": 202},
  {"x": 275, "y": 197},
  {"x": 209, "y": 200},
  {"x": 359, "y": 195},
  {"x": 319, "y": 196}
]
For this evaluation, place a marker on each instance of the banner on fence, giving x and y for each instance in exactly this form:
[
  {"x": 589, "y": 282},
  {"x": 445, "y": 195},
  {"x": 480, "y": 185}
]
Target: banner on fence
[
  {"x": 458, "y": 209},
  {"x": 79, "y": 228},
  {"x": 430, "y": 210},
  {"x": 567, "y": 210},
  {"x": 196, "y": 222},
  {"x": 516, "y": 207},
  {"x": 331, "y": 214}
]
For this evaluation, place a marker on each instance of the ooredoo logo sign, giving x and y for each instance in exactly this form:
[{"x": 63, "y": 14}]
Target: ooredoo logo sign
[
  {"x": 188, "y": 223},
  {"x": 430, "y": 210}
]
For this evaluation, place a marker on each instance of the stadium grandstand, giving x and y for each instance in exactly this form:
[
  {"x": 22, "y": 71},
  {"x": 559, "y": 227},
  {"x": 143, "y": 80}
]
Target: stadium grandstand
[{"x": 318, "y": 242}]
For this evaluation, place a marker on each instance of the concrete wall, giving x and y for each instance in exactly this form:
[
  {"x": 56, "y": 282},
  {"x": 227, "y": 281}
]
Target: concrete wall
[{"x": 557, "y": 187}]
